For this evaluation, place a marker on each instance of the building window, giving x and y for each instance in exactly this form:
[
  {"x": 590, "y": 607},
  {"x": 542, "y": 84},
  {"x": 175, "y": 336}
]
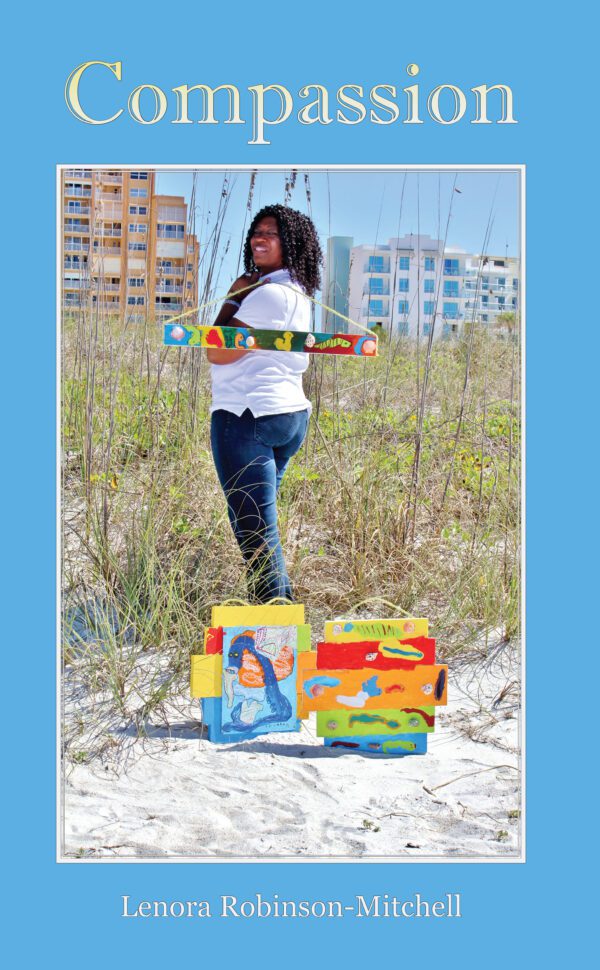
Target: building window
[
  {"x": 403, "y": 284},
  {"x": 139, "y": 175},
  {"x": 484, "y": 318},
  {"x": 404, "y": 262},
  {"x": 501, "y": 281},
  {"x": 170, "y": 230},
  {"x": 137, "y": 227},
  {"x": 376, "y": 285},
  {"x": 135, "y": 300},
  {"x": 450, "y": 267},
  {"x": 376, "y": 308},
  {"x": 426, "y": 329},
  {"x": 135, "y": 281},
  {"x": 429, "y": 264},
  {"x": 515, "y": 284},
  {"x": 138, "y": 210},
  {"x": 485, "y": 282},
  {"x": 402, "y": 306},
  {"x": 451, "y": 310},
  {"x": 429, "y": 286},
  {"x": 451, "y": 288},
  {"x": 501, "y": 302},
  {"x": 403, "y": 328},
  {"x": 428, "y": 308},
  {"x": 376, "y": 264},
  {"x": 137, "y": 247},
  {"x": 139, "y": 193},
  {"x": 485, "y": 300},
  {"x": 514, "y": 301}
]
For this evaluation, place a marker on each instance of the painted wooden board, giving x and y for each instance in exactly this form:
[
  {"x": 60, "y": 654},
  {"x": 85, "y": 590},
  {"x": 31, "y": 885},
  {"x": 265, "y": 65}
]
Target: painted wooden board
[
  {"x": 350, "y": 656},
  {"x": 397, "y": 745},
  {"x": 211, "y": 718},
  {"x": 205, "y": 675},
  {"x": 287, "y": 615},
  {"x": 328, "y": 690},
  {"x": 304, "y": 661},
  {"x": 380, "y": 631},
  {"x": 213, "y": 639},
  {"x": 334, "y": 724},
  {"x": 294, "y": 341},
  {"x": 259, "y": 679}
]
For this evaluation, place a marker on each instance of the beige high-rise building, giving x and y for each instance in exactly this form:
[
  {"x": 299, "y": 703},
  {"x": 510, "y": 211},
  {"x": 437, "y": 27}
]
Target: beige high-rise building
[{"x": 126, "y": 250}]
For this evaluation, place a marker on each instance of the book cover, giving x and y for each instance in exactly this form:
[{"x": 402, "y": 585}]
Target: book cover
[{"x": 438, "y": 152}]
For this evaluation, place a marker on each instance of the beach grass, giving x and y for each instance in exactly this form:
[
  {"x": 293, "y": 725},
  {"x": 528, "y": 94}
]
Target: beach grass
[{"x": 404, "y": 497}]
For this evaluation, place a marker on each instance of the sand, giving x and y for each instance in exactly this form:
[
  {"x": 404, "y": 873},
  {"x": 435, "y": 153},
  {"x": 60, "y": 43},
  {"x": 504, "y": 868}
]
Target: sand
[{"x": 172, "y": 794}]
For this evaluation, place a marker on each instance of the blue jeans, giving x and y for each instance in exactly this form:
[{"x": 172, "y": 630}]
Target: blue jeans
[{"x": 251, "y": 455}]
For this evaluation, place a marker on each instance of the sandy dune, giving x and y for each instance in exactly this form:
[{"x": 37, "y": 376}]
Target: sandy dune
[{"x": 173, "y": 794}]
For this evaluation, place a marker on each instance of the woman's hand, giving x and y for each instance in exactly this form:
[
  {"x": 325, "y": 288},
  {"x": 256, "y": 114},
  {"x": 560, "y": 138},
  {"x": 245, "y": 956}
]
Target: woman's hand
[
  {"x": 242, "y": 282},
  {"x": 229, "y": 309}
]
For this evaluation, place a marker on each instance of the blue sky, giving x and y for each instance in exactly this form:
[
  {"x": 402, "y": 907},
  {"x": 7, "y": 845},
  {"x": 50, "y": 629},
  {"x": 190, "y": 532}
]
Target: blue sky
[{"x": 370, "y": 206}]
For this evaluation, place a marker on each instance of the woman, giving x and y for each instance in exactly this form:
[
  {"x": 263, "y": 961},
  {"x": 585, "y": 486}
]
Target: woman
[{"x": 259, "y": 411}]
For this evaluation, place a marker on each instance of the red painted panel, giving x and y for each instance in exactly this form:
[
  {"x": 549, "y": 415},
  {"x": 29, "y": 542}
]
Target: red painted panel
[
  {"x": 350, "y": 656},
  {"x": 213, "y": 642}
]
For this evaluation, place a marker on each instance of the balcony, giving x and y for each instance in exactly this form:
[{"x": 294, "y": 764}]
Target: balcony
[
  {"x": 76, "y": 284},
  {"x": 111, "y": 179},
  {"x": 382, "y": 266},
  {"x": 71, "y": 267},
  {"x": 83, "y": 210},
  {"x": 170, "y": 270},
  {"x": 111, "y": 197},
  {"x": 71, "y": 246},
  {"x": 74, "y": 227},
  {"x": 102, "y": 231},
  {"x": 168, "y": 307},
  {"x": 170, "y": 234},
  {"x": 168, "y": 288},
  {"x": 79, "y": 191},
  {"x": 85, "y": 174},
  {"x": 107, "y": 251}
]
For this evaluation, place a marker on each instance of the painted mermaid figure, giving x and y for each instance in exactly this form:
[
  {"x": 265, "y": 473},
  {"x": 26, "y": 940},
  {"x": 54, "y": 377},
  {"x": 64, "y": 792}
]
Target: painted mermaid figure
[{"x": 254, "y": 676}]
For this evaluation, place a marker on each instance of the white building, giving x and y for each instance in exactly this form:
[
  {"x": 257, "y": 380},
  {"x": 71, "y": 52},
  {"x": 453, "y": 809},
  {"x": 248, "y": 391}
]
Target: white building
[{"x": 412, "y": 284}]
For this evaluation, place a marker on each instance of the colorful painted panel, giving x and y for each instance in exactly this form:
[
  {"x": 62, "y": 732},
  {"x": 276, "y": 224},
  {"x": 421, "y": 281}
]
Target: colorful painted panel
[
  {"x": 213, "y": 639},
  {"x": 305, "y": 661},
  {"x": 291, "y": 614},
  {"x": 405, "y": 655},
  {"x": 205, "y": 675},
  {"x": 398, "y": 745},
  {"x": 386, "y": 632},
  {"x": 294, "y": 341},
  {"x": 373, "y": 689},
  {"x": 333, "y": 724},
  {"x": 259, "y": 679}
]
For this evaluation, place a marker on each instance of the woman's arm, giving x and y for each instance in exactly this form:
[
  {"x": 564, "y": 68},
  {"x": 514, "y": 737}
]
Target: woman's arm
[{"x": 226, "y": 318}]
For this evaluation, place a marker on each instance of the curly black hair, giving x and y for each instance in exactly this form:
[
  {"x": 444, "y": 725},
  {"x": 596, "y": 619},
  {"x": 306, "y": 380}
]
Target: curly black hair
[{"x": 300, "y": 247}]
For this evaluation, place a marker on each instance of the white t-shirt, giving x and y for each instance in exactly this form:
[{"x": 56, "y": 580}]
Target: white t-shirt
[{"x": 266, "y": 381}]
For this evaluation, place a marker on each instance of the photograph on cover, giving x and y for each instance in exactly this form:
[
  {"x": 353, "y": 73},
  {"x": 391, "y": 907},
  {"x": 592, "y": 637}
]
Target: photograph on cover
[{"x": 290, "y": 424}]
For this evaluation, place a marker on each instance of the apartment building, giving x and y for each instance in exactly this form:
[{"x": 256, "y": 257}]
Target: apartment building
[
  {"x": 126, "y": 250},
  {"x": 413, "y": 284}
]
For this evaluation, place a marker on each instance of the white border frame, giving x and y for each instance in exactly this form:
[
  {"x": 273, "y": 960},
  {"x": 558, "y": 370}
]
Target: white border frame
[{"x": 521, "y": 169}]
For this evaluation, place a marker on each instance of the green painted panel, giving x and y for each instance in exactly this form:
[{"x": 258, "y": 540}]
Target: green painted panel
[{"x": 333, "y": 724}]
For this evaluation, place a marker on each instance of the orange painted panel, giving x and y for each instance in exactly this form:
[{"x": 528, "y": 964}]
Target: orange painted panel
[{"x": 328, "y": 690}]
